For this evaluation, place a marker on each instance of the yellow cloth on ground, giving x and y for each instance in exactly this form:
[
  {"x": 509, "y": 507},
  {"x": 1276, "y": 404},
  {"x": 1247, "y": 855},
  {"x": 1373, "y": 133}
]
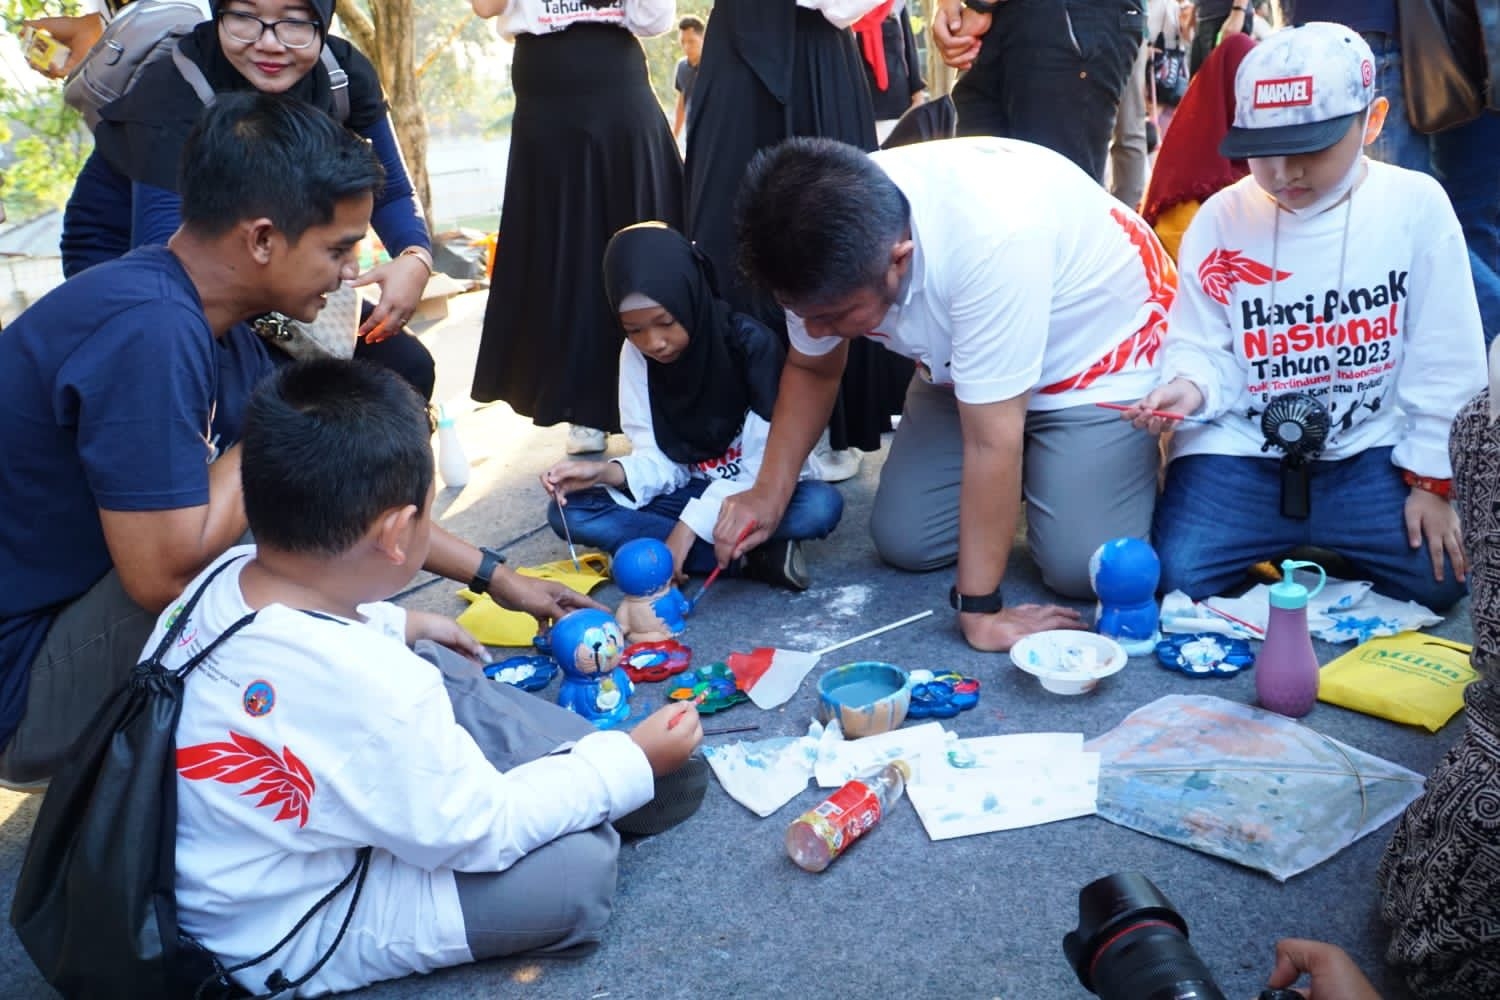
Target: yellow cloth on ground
[
  {"x": 496, "y": 626},
  {"x": 1412, "y": 677}
]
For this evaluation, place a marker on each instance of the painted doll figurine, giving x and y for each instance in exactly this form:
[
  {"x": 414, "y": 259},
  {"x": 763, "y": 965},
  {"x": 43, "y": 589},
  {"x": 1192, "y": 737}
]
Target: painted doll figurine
[
  {"x": 653, "y": 608},
  {"x": 587, "y": 645},
  {"x": 1124, "y": 573}
]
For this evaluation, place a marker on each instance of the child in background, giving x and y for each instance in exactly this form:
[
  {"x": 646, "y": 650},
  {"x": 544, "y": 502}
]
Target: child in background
[
  {"x": 1333, "y": 276},
  {"x": 698, "y": 382},
  {"x": 315, "y": 730}
]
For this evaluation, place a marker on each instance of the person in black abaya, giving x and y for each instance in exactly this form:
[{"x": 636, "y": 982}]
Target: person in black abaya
[
  {"x": 771, "y": 70},
  {"x": 590, "y": 153}
]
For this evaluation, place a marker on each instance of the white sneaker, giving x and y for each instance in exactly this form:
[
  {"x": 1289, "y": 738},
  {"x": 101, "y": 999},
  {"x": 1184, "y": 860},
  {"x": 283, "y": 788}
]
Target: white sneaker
[
  {"x": 585, "y": 440},
  {"x": 833, "y": 466}
]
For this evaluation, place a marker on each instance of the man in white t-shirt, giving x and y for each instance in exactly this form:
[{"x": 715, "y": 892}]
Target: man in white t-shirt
[{"x": 1026, "y": 294}]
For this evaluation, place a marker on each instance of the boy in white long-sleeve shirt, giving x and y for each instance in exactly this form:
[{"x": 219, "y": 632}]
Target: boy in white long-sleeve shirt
[
  {"x": 1325, "y": 275},
  {"x": 314, "y": 730}
]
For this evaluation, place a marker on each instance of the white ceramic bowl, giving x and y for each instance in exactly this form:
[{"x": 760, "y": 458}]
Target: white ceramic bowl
[{"x": 1068, "y": 661}]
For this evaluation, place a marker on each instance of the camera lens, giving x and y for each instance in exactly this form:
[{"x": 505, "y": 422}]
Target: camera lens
[{"x": 1131, "y": 944}]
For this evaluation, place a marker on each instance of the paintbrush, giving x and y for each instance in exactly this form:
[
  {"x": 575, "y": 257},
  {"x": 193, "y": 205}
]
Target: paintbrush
[
  {"x": 1163, "y": 414},
  {"x": 562, "y": 515},
  {"x": 693, "y": 604}
]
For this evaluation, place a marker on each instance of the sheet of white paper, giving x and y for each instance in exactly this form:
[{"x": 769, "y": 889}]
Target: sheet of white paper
[
  {"x": 922, "y": 747},
  {"x": 967, "y": 801},
  {"x": 994, "y": 783}
]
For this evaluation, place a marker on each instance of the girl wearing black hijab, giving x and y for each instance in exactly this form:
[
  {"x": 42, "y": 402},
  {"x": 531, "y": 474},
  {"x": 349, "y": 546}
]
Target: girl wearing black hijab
[
  {"x": 698, "y": 383},
  {"x": 276, "y": 47}
]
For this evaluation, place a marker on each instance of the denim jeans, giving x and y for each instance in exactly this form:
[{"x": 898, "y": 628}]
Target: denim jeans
[
  {"x": 595, "y": 519},
  {"x": 1220, "y": 514},
  {"x": 1051, "y": 72},
  {"x": 1463, "y": 159}
]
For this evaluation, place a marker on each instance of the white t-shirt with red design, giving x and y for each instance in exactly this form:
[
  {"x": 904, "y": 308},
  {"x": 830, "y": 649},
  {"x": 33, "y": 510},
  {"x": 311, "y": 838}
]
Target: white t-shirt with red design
[
  {"x": 643, "y": 18},
  {"x": 1392, "y": 346},
  {"x": 305, "y": 737},
  {"x": 1027, "y": 277},
  {"x": 649, "y": 473}
]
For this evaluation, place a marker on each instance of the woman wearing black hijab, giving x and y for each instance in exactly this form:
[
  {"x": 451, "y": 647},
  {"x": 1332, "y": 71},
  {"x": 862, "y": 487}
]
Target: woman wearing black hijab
[
  {"x": 698, "y": 383},
  {"x": 275, "y": 47},
  {"x": 773, "y": 69}
]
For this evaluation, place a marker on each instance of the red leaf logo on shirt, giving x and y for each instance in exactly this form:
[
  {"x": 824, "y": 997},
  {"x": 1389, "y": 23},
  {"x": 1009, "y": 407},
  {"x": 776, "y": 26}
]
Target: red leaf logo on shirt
[
  {"x": 1223, "y": 269},
  {"x": 280, "y": 780}
]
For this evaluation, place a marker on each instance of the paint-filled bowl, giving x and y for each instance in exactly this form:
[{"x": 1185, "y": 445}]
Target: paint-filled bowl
[
  {"x": 1068, "y": 661},
  {"x": 866, "y": 698}
]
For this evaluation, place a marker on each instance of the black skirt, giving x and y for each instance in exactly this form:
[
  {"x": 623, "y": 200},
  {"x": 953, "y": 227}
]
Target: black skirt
[
  {"x": 771, "y": 70},
  {"x": 590, "y": 153}
]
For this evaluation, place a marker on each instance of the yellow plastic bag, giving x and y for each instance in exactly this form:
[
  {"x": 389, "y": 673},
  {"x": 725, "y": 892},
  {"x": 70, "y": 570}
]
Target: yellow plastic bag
[
  {"x": 496, "y": 626},
  {"x": 1413, "y": 678}
]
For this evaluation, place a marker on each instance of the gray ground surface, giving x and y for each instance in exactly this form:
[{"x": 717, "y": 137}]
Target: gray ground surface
[{"x": 714, "y": 908}]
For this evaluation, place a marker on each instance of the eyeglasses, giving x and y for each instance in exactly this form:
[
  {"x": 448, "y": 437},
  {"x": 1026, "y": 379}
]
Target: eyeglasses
[{"x": 294, "y": 33}]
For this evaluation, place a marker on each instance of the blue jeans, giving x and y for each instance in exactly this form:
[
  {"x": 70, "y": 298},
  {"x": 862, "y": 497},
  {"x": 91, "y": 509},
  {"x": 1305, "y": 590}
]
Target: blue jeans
[
  {"x": 595, "y": 519},
  {"x": 1220, "y": 514},
  {"x": 1463, "y": 160}
]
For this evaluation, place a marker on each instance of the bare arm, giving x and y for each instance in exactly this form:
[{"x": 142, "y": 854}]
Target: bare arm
[
  {"x": 489, "y": 8},
  {"x": 544, "y": 600},
  {"x": 157, "y": 553},
  {"x": 679, "y": 116},
  {"x": 809, "y": 387}
]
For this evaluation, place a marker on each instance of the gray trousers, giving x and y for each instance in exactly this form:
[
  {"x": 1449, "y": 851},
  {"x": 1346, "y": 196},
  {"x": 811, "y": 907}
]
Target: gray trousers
[
  {"x": 88, "y": 654},
  {"x": 557, "y": 899},
  {"x": 1127, "y": 146},
  {"x": 1087, "y": 477}
]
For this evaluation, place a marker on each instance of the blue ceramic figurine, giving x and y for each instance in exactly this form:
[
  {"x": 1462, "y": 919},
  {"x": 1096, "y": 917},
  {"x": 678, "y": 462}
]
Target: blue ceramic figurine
[
  {"x": 653, "y": 609},
  {"x": 1124, "y": 573},
  {"x": 587, "y": 645}
]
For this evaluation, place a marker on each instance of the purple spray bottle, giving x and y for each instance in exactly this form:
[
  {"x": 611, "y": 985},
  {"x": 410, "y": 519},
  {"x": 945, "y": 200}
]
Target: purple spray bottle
[{"x": 1286, "y": 672}]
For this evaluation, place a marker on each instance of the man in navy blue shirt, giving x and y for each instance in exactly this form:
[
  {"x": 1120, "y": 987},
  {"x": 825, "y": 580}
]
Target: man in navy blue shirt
[{"x": 121, "y": 397}]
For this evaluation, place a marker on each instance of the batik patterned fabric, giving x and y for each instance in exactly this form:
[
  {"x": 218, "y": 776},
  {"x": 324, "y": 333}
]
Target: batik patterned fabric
[{"x": 1440, "y": 877}]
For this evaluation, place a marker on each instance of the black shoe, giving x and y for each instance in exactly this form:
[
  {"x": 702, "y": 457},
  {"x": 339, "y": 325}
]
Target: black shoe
[
  {"x": 780, "y": 564},
  {"x": 678, "y": 796}
]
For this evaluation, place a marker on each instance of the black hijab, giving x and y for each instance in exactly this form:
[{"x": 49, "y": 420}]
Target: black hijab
[
  {"x": 142, "y": 133},
  {"x": 732, "y": 363}
]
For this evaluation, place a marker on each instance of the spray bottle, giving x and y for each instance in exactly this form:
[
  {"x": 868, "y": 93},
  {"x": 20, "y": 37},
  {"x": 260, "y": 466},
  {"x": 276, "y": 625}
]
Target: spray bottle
[{"x": 1286, "y": 672}]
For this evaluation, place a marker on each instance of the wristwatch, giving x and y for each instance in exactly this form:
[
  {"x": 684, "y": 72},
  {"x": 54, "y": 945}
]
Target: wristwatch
[
  {"x": 983, "y": 6},
  {"x": 489, "y": 559},
  {"x": 982, "y": 604}
]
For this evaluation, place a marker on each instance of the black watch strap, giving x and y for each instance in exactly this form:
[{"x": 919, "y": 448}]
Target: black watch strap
[
  {"x": 983, "y": 604},
  {"x": 983, "y": 6},
  {"x": 488, "y": 560}
]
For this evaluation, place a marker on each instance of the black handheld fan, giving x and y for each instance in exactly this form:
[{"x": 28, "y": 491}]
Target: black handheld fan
[{"x": 1298, "y": 425}]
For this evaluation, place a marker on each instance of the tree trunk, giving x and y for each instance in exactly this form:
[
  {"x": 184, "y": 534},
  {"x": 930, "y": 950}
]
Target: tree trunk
[{"x": 387, "y": 35}]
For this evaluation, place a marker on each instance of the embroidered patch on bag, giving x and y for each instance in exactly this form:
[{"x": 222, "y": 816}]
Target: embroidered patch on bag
[{"x": 260, "y": 698}]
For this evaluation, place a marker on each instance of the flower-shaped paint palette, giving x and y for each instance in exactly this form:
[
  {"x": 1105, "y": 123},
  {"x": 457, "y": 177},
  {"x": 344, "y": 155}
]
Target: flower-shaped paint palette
[
  {"x": 941, "y": 696},
  {"x": 655, "y": 661},
  {"x": 527, "y": 671},
  {"x": 1204, "y": 654},
  {"x": 712, "y": 688}
]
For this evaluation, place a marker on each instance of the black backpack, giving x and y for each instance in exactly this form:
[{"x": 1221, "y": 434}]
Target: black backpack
[{"x": 95, "y": 904}]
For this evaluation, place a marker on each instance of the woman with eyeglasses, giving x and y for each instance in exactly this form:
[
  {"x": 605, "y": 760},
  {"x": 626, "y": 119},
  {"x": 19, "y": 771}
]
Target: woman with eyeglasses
[{"x": 276, "y": 47}]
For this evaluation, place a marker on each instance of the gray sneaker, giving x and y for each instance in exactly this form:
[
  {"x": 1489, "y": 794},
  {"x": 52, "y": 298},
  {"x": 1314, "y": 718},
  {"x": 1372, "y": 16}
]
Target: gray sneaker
[{"x": 779, "y": 563}]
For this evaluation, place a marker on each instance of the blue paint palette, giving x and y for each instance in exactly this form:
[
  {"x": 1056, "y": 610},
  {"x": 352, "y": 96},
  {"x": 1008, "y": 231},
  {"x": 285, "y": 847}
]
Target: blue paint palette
[
  {"x": 655, "y": 661},
  {"x": 527, "y": 671},
  {"x": 941, "y": 696},
  {"x": 1204, "y": 654}
]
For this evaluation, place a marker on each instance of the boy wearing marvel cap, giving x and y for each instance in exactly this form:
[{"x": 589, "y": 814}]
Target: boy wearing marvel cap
[{"x": 1331, "y": 276}]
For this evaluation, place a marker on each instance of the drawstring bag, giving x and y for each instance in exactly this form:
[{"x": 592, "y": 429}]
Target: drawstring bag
[
  {"x": 1169, "y": 73},
  {"x": 95, "y": 905}
]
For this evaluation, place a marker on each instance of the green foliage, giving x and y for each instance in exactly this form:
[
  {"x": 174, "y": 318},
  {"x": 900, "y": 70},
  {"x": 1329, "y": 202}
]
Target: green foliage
[{"x": 42, "y": 141}]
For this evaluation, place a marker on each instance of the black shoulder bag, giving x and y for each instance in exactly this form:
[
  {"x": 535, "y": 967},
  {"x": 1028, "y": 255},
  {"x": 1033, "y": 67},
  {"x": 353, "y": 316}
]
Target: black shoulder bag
[{"x": 95, "y": 905}]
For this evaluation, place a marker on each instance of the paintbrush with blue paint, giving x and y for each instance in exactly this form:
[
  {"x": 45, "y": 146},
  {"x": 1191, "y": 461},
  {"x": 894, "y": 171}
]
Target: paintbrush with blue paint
[{"x": 693, "y": 604}]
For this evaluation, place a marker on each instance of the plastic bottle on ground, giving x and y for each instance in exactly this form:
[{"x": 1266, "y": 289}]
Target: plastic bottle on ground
[
  {"x": 821, "y": 834},
  {"x": 453, "y": 464},
  {"x": 1286, "y": 671}
]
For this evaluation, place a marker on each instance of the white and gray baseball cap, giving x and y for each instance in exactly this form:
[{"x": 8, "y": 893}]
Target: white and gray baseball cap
[{"x": 1299, "y": 90}]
